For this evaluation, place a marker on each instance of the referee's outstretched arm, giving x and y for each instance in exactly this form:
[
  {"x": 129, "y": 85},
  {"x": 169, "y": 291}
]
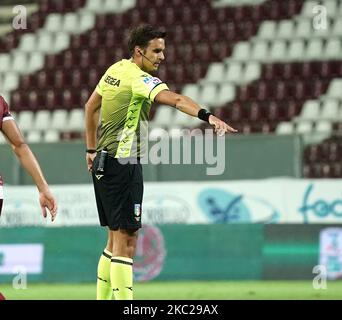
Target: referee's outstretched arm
[{"x": 190, "y": 107}]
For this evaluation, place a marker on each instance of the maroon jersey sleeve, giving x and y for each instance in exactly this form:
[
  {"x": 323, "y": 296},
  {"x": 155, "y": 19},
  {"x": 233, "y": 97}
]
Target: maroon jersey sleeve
[{"x": 4, "y": 111}]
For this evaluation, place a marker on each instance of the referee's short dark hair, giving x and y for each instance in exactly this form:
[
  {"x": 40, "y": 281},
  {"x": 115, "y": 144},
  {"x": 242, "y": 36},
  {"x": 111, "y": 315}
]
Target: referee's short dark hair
[{"x": 142, "y": 35}]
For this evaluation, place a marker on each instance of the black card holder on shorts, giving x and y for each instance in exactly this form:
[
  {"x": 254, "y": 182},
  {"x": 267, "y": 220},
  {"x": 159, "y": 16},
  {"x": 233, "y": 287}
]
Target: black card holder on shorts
[{"x": 102, "y": 162}]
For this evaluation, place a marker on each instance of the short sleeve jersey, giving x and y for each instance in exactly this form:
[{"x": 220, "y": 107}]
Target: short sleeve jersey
[
  {"x": 127, "y": 94},
  {"x": 4, "y": 111}
]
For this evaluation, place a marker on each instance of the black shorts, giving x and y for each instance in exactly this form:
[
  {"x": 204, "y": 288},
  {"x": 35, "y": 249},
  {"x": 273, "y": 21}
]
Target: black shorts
[{"x": 119, "y": 194}]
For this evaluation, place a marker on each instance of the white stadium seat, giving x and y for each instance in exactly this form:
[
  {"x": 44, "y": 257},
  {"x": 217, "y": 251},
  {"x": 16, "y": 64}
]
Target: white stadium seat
[
  {"x": 95, "y": 6},
  {"x": 330, "y": 109},
  {"x": 10, "y": 81},
  {"x": 51, "y": 136},
  {"x": 208, "y": 94},
  {"x": 163, "y": 116},
  {"x": 42, "y": 120},
  {"x": 113, "y": 6},
  {"x": 5, "y": 62},
  {"x": 35, "y": 62},
  {"x": 324, "y": 126},
  {"x": 59, "y": 119},
  {"x": 337, "y": 28},
  {"x": 70, "y": 22},
  {"x": 307, "y": 10},
  {"x": 304, "y": 29},
  {"x": 34, "y": 137},
  {"x": 333, "y": 49},
  {"x": 226, "y": 93},
  {"x": 296, "y": 50},
  {"x": 335, "y": 89},
  {"x": 285, "y": 128},
  {"x": 314, "y": 49},
  {"x": 54, "y": 22},
  {"x": 267, "y": 30},
  {"x": 76, "y": 120},
  {"x": 311, "y": 110},
  {"x": 241, "y": 51},
  {"x": 252, "y": 71},
  {"x": 260, "y": 51},
  {"x": 19, "y": 63},
  {"x": 25, "y": 120},
  {"x": 278, "y": 51},
  {"x": 192, "y": 91},
  {"x": 28, "y": 42},
  {"x": 215, "y": 72},
  {"x": 62, "y": 41},
  {"x": 45, "y": 42},
  {"x": 286, "y": 29},
  {"x": 304, "y": 127},
  {"x": 233, "y": 72},
  {"x": 87, "y": 21}
]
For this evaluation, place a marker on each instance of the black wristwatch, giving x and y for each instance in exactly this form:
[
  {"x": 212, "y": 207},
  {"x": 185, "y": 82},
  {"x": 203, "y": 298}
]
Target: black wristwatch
[{"x": 91, "y": 151}]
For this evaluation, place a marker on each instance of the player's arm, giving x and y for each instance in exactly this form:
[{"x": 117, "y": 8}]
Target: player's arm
[
  {"x": 92, "y": 116},
  {"x": 30, "y": 164},
  {"x": 190, "y": 107}
]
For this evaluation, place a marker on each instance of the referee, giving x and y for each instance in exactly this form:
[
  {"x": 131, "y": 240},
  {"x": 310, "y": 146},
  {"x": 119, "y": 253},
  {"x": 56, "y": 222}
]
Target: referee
[{"x": 123, "y": 100}]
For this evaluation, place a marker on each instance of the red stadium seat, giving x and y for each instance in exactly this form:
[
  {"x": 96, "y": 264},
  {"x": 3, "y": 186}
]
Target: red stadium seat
[
  {"x": 44, "y": 79},
  {"x": 235, "y": 113},
  {"x": 35, "y": 100},
  {"x": 255, "y": 112},
  {"x": 18, "y": 101},
  {"x": 27, "y": 82}
]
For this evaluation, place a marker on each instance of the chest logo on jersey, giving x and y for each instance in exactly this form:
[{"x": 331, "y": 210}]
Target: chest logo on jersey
[{"x": 112, "y": 81}]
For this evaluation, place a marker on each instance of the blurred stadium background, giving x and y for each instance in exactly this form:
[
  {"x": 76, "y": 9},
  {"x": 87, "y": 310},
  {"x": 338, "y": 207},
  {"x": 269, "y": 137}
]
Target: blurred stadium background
[{"x": 271, "y": 68}]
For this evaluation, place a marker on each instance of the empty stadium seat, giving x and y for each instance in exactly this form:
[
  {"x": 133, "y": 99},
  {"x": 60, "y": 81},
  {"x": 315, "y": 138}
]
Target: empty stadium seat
[
  {"x": 25, "y": 120},
  {"x": 285, "y": 128},
  {"x": 331, "y": 110},
  {"x": 51, "y": 136},
  {"x": 42, "y": 120},
  {"x": 34, "y": 136},
  {"x": 162, "y": 117},
  {"x": 311, "y": 110},
  {"x": 58, "y": 119},
  {"x": 76, "y": 120}
]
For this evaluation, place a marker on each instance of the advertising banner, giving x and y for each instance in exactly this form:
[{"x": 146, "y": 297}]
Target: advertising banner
[
  {"x": 254, "y": 201},
  {"x": 331, "y": 252}
]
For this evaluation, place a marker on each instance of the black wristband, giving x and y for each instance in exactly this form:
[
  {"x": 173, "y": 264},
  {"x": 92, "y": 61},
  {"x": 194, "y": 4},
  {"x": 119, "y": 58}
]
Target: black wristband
[
  {"x": 204, "y": 115},
  {"x": 91, "y": 151}
]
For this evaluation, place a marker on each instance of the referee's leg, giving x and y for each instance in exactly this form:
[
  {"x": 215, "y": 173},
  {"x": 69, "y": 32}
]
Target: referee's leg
[
  {"x": 121, "y": 270},
  {"x": 103, "y": 286}
]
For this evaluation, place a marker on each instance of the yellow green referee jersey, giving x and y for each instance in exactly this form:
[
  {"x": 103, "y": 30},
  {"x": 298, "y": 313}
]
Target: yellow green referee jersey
[{"x": 127, "y": 94}]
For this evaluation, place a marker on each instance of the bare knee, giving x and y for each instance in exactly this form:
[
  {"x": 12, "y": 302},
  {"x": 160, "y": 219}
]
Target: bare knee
[{"x": 124, "y": 243}]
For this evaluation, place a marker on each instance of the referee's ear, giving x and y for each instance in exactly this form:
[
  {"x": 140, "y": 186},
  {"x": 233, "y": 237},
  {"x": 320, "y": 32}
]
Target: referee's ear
[{"x": 138, "y": 51}]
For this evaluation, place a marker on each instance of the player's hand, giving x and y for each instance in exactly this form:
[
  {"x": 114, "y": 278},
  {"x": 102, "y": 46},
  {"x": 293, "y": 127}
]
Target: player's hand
[
  {"x": 47, "y": 201},
  {"x": 220, "y": 126},
  {"x": 90, "y": 159}
]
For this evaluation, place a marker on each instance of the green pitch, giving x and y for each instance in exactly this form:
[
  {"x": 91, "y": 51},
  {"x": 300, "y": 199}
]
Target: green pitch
[{"x": 185, "y": 290}]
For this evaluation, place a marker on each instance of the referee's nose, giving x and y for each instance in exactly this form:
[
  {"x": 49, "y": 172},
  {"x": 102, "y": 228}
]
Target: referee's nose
[{"x": 162, "y": 56}]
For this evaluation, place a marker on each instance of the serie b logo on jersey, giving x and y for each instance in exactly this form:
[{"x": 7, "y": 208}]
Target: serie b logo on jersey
[{"x": 137, "y": 212}]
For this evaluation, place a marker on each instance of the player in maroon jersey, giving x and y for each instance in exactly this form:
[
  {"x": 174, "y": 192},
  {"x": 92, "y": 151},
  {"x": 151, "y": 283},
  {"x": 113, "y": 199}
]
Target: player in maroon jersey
[{"x": 27, "y": 160}]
